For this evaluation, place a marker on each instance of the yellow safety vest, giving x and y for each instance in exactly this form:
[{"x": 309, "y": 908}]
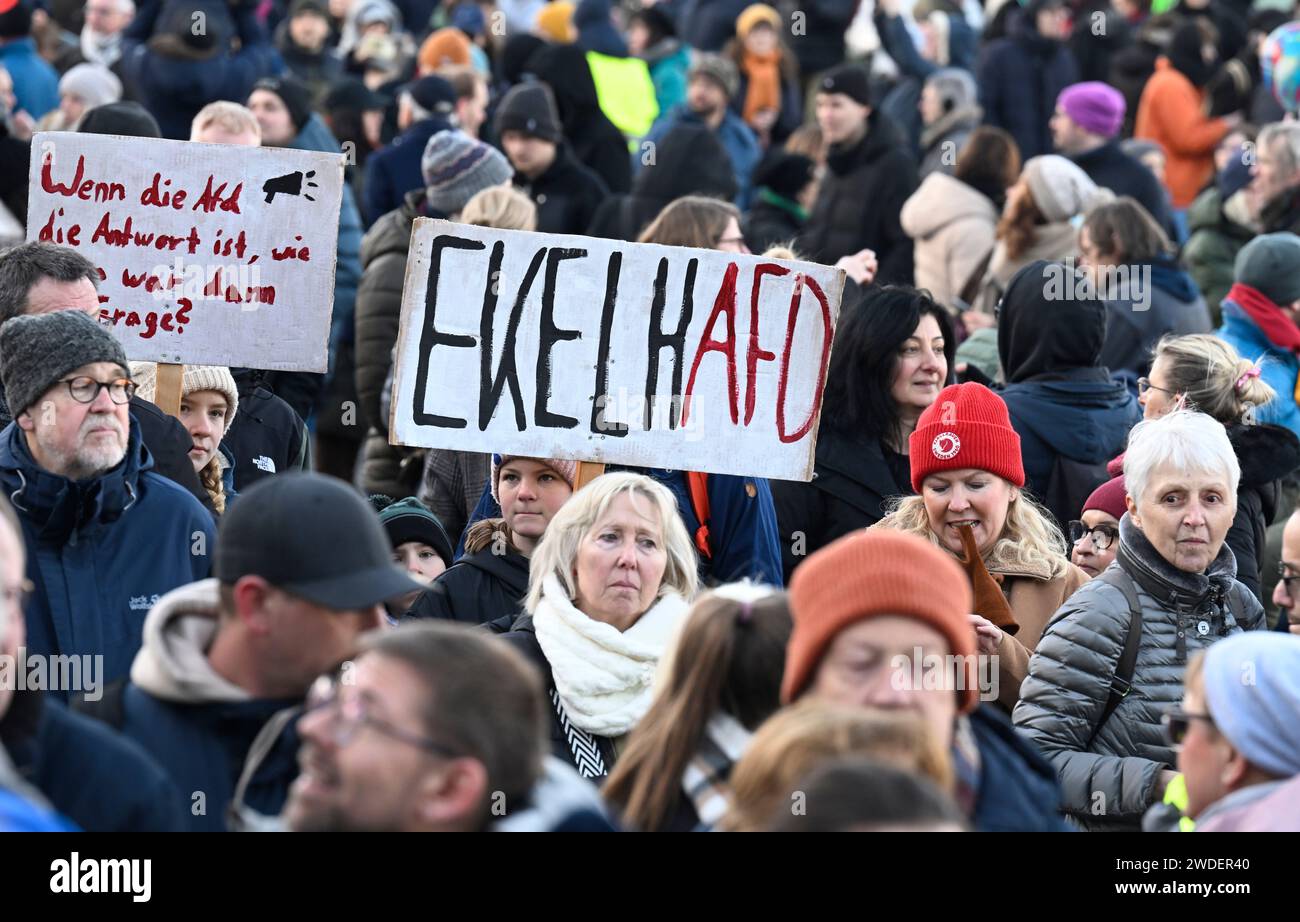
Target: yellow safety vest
[{"x": 625, "y": 92}]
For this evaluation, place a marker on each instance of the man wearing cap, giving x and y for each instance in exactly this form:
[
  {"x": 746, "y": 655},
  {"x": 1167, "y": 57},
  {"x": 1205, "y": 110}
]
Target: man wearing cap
[
  {"x": 1238, "y": 737},
  {"x": 881, "y": 621},
  {"x": 301, "y": 571},
  {"x": 1261, "y": 319},
  {"x": 175, "y": 70},
  {"x": 711, "y": 83},
  {"x": 424, "y": 108},
  {"x": 105, "y": 535},
  {"x": 869, "y": 175},
  {"x": 1085, "y": 128},
  {"x": 565, "y": 192}
]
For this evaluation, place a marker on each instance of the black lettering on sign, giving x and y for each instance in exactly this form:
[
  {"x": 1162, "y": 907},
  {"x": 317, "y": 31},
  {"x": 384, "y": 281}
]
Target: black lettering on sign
[
  {"x": 675, "y": 340},
  {"x": 599, "y": 420},
  {"x": 550, "y": 335},
  {"x": 431, "y": 336},
  {"x": 507, "y": 373}
]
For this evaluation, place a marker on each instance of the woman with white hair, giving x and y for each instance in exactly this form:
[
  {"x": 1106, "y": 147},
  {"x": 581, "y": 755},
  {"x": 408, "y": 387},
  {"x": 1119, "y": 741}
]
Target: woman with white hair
[
  {"x": 609, "y": 587},
  {"x": 1112, "y": 660}
]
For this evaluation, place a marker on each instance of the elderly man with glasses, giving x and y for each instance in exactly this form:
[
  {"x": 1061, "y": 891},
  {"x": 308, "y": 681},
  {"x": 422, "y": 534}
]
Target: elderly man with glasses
[{"x": 105, "y": 534}]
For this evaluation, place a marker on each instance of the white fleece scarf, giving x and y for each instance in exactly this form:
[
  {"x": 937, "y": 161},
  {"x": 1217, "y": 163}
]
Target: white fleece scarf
[{"x": 604, "y": 676}]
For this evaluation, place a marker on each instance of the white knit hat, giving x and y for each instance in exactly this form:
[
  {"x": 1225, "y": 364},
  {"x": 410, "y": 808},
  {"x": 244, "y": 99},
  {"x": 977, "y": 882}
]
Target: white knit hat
[
  {"x": 194, "y": 378},
  {"x": 95, "y": 84},
  {"x": 1060, "y": 188}
]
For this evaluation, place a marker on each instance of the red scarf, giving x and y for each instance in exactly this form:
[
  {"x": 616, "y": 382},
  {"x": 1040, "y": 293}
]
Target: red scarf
[{"x": 1274, "y": 324}]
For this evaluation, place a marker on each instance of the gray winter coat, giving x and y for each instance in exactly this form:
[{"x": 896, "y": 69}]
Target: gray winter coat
[{"x": 1109, "y": 783}]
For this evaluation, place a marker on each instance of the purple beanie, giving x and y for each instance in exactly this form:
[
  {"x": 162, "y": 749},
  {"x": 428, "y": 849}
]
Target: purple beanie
[{"x": 1094, "y": 106}]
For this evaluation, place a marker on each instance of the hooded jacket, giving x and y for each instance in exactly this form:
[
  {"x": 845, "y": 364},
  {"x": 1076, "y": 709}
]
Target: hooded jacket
[
  {"x": 953, "y": 228},
  {"x": 1171, "y": 115},
  {"x": 195, "y": 723},
  {"x": 394, "y": 171},
  {"x": 175, "y": 88},
  {"x": 1072, "y": 417},
  {"x": 1020, "y": 77},
  {"x": 567, "y": 194},
  {"x": 96, "y": 778},
  {"x": 1169, "y": 303},
  {"x": 482, "y": 586},
  {"x": 861, "y": 195},
  {"x": 595, "y": 139},
  {"x": 101, "y": 551},
  {"x": 1279, "y": 367},
  {"x": 669, "y": 62},
  {"x": 267, "y": 436},
  {"x": 737, "y": 138},
  {"x": 318, "y": 70},
  {"x": 1216, "y": 236},
  {"x": 690, "y": 160},
  {"x": 1017, "y": 789},
  {"x": 1070, "y": 675}
]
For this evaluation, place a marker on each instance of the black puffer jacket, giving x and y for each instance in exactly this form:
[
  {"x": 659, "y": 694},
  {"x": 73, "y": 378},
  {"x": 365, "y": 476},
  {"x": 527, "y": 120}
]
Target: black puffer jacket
[
  {"x": 566, "y": 195},
  {"x": 379, "y": 312},
  {"x": 267, "y": 436},
  {"x": 488, "y": 583},
  {"x": 1108, "y": 782},
  {"x": 1266, "y": 455},
  {"x": 861, "y": 195}
]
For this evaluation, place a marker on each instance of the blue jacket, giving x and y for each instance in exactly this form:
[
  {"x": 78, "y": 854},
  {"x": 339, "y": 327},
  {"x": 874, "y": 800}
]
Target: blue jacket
[
  {"x": 175, "y": 89},
  {"x": 670, "y": 62},
  {"x": 1017, "y": 790},
  {"x": 743, "y": 533},
  {"x": 736, "y": 137},
  {"x": 36, "y": 84},
  {"x": 1279, "y": 368},
  {"x": 1084, "y": 421},
  {"x": 596, "y": 30},
  {"x": 395, "y": 170},
  {"x": 1019, "y": 79},
  {"x": 315, "y": 135},
  {"x": 101, "y": 551},
  {"x": 96, "y": 778}
]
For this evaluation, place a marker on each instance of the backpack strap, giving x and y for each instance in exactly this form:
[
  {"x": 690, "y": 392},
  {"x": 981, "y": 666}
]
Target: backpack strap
[
  {"x": 698, "y": 485},
  {"x": 1121, "y": 682}
]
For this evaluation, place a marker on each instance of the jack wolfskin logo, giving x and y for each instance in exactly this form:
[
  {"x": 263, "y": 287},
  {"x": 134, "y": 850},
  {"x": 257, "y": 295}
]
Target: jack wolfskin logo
[{"x": 144, "y": 602}]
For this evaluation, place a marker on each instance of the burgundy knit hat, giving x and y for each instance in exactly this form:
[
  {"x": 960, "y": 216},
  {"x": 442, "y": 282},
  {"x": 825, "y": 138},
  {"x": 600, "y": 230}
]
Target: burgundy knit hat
[
  {"x": 967, "y": 426},
  {"x": 1108, "y": 498}
]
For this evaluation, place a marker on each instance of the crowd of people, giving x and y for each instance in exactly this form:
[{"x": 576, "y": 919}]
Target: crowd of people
[{"x": 1040, "y": 580}]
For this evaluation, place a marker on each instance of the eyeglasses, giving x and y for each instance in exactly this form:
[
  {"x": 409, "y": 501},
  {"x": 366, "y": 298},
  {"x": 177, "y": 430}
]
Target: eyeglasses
[
  {"x": 1177, "y": 722},
  {"x": 1287, "y": 579},
  {"x": 84, "y": 389},
  {"x": 1144, "y": 385},
  {"x": 349, "y": 715},
  {"x": 17, "y": 595},
  {"x": 1102, "y": 536}
]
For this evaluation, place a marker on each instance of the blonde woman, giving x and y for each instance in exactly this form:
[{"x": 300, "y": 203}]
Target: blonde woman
[
  {"x": 209, "y": 400},
  {"x": 966, "y": 466},
  {"x": 609, "y": 587},
  {"x": 1204, "y": 373},
  {"x": 501, "y": 207}
]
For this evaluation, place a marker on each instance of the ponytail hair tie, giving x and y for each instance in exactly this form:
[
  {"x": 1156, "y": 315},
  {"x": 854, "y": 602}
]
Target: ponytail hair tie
[
  {"x": 1252, "y": 372},
  {"x": 746, "y": 612}
]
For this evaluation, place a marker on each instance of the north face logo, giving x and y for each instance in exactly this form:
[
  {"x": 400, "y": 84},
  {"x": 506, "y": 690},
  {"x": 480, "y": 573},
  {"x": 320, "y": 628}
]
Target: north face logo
[{"x": 263, "y": 463}]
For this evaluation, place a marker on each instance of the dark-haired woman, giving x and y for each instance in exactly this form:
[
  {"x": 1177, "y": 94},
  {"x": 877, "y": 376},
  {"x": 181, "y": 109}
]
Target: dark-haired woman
[{"x": 892, "y": 355}]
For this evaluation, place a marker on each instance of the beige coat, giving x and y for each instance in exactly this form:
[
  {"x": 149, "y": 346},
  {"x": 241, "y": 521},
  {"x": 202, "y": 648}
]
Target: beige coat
[
  {"x": 952, "y": 227},
  {"x": 1051, "y": 241}
]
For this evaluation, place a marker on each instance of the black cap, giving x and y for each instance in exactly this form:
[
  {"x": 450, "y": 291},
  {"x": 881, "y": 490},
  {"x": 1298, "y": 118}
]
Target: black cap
[
  {"x": 530, "y": 108},
  {"x": 311, "y": 536},
  {"x": 295, "y": 96},
  {"x": 849, "y": 79},
  {"x": 433, "y": 94},
  {"x": 124, "y": 118},
  {"x": 785, "y": 173}
]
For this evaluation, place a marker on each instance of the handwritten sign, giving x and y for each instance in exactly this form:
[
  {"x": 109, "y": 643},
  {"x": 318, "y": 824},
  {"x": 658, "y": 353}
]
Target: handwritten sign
[
  {"x": 572, "y": 347},
  {"x": 208, "y": 254}
]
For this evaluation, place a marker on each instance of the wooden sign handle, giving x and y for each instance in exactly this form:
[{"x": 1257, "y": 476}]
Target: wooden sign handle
[
  {"x": 587, "y": 472},
  {"x": 167, "y": 390}
]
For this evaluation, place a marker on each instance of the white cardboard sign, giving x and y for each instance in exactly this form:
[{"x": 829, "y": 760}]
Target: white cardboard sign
[
  {"x": 209, "y": 254},
  {"x": 557, "y": 346}
]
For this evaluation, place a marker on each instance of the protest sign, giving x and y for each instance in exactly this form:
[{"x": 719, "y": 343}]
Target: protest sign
[
  {"x": 208, "y": 254},
  {"x": 557, "y": 346}
]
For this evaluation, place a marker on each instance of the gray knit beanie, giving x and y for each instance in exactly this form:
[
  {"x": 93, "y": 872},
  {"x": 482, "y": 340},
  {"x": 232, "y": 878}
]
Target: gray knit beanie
[
  {"x": 39, "y": 349},
  {"x": 455, "y": 167},
  {"x": 1061, "y": 189}
]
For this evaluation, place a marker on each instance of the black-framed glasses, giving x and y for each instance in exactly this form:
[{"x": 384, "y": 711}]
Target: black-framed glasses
[
  {"x": 1177, "y": 722},
  {"x": 1287, "y": 579},
  {"x": 84, "y": 389},
  {"x": 1102, "y": 536},
  {"x": 348, "y": 715},
  {"x": 1144, "y": 385}
]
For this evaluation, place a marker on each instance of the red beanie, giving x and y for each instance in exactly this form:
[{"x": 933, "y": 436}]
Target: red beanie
[
  {"x": 967, "y": 426},
  {"x": 1108, "y": 498},
  {"x": 874, "y": 572}
]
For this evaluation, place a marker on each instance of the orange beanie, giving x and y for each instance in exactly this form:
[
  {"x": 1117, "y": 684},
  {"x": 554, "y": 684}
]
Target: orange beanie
[
  {"x": 877, "y": 572},
  {"x": 446, "y": 47},
  {"x": 555, "y": 23}
]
